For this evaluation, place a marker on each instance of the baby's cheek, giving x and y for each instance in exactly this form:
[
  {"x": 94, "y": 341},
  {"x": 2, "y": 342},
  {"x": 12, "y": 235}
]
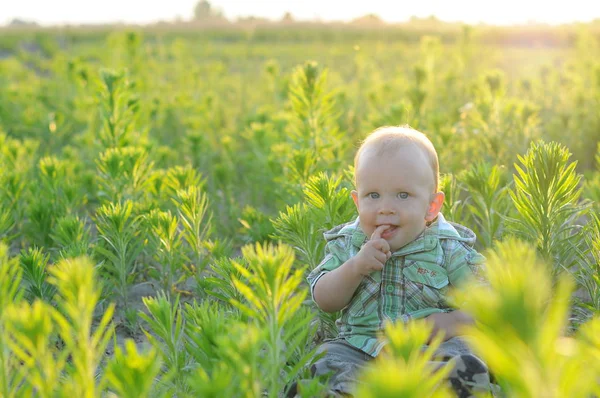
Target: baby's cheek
[{"x": 367, "y": 228}]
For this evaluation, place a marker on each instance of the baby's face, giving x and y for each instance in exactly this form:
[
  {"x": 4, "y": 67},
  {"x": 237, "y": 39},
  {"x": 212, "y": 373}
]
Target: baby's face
[{"x": 396, "y": 190}]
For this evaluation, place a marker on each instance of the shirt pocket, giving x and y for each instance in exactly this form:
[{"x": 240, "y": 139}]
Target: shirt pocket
[{"x": 427, "y": 284}]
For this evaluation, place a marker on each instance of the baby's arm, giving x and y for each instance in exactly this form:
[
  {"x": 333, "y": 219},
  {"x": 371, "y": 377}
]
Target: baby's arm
[{"x": 334, "y": 290}]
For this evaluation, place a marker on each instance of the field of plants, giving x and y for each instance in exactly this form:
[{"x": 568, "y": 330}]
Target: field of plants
[{"x": 163, "y": 197}]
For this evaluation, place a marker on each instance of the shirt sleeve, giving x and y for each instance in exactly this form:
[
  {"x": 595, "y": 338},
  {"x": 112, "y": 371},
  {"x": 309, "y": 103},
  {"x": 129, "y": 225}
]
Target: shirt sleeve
[
  {"x": 465, "y": 265},
  {"x": 333, "y": 259}
]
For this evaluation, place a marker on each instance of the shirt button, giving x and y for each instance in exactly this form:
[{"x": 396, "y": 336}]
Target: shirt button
[{"x": 389, "y": 288}]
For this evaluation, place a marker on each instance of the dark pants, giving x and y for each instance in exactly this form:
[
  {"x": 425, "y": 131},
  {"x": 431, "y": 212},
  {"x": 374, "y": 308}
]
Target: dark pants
[{"x": 344, "y": 362}]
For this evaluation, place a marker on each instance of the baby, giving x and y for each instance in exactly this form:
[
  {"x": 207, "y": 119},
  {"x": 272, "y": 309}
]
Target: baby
[{"x": 395, "y": 262}]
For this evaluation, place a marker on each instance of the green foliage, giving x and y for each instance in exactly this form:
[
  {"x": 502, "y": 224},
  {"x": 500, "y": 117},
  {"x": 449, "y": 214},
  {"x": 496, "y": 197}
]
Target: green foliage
[
  {"x": 546, "y": 197},
  {"x": 316, "y": 143},
  {"x": 118, "y": 109},
  {"x": 220, "y": 282},
  {"x": 6, "y": 224},
  {"x": 255, "y": 225},
  {"x": 32, "y": 329},
  {"x": 454, "y": 204},
  {"x": 29, "y": 327},
  {"x": 41, "y": 223},
  {"x": 207, "y": 323},
  {"x": 488, "y": 201},
  {"x": 59, "y": 180},
  {"x": 166, "y": 244},
  {"x": 238, "y": 371},
  {"x": 591, "y": 185},
  {"x": 123, "y": 173},
  {"x": 192, "y": 208},
  {"x": 34, "y": 264},
  {"x": 10, "y": 295},
  {"x": 181, "y": 178},
  {"x": 78, "y": 294},
  {"x": 166, "y": 322},
  {"x": 207, "y": 142},
  {"x": 404, "y": 358},
  {"x": 119, "y": 246},
  {"x": 588, "y": 272},
  {"x": 328, "y": 203},
  {"x": 521, "y": 319},
  {"x": 72, "y": 237},
  {"x": 589, "y": 338},
  {"x": 132, "y": 374},
  {"x": 272, "y": 298}
]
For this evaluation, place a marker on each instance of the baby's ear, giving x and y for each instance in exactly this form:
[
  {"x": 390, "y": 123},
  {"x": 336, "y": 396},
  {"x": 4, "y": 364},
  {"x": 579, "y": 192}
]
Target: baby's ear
[
  {"x": 435, "y": 206},
  {"x": 355, "y": 198}
]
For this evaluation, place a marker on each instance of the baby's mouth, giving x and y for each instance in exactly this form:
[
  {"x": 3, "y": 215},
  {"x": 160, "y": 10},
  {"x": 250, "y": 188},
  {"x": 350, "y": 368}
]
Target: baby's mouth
[{"x": 388, "y": 233}]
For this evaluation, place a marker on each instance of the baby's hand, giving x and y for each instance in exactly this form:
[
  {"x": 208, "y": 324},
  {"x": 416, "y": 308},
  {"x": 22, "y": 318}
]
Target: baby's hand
[
  {"x": 448, "y": 324},
  {"x": 374, "y": 253}
]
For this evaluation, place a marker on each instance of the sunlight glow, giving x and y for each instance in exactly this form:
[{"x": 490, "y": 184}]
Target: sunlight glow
[{"x": 139, "y": 11}]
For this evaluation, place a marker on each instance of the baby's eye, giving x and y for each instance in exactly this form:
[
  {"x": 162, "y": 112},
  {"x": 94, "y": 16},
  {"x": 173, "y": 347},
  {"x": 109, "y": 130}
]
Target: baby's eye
[
  {"x": 403, "y": 195},
  {"x": 373, "y": 195}
]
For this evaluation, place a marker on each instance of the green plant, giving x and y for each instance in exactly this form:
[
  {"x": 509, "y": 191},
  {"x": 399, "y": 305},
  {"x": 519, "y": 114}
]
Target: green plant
[
  {"x": 123, "y": 173},
  {"x": 131, "y": 374},
  {"x": 79, "y": 293},
  {"x": 271, "y": 297},
  {"x": 119, "y": 245},
  {"x": 72, "y": 237},
  {"x": 255, "y": 226},
  {"x": 10, "y": 294},
  {"x": 589, "y": 338},
  {"x": 181, "y": 178},
  {"x": 206, "y": 323},
  {"x": 520, "y": 326},
  {"x": 407, "y": 356},
  {"x": 40, "y": 223},
  {"x": 488, "y": 200},
  {"x": 219, "y": 282},
  {"x": 546, "y": 197},
  {"x": 29, "y": 327},
  {"x": 17, "y": 161},
  {"x": 316, "y": 143},
  {"x": 58, "y": 180},
  {"x": 239, "y": 371},
  {"x": 33, "y": 330},
  {"x": 6, "y": 224},
  {"x": 588, "y": 272},
  {"x": 454, "y": 204},
  {"x": 195, "y": 217},
  {"x": 166, "y": 333},
  {"x": 118, "y": 109},
  {"x": 34, "y": 266},
  {"x": 166, "y": 245},
  {"x": 327, "y": 204}
]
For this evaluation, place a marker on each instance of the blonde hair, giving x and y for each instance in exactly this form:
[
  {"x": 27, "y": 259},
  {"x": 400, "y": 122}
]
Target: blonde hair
[{"x": 387, "y": 139}]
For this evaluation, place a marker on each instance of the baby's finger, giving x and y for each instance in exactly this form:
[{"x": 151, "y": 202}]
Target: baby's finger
[
  {"x": 377, "y": 267},
  {"x": 381, "y": 245},
  {"x": 378, "y": 231},
  {"x": 388, "y": 254},
  {"x": 381, "y": 257},
  {"x": 385, "y": 246}
]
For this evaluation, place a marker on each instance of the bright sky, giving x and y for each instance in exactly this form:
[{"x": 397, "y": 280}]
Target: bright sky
[{"x": 505, "y": 12}]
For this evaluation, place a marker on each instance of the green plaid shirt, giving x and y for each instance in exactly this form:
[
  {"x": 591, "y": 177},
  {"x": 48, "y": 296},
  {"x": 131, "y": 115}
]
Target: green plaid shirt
[{"x": 413, "y": 284}]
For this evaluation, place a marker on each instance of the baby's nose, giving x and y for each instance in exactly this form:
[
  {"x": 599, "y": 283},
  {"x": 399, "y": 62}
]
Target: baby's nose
[{"x": 387, "y": 210}]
